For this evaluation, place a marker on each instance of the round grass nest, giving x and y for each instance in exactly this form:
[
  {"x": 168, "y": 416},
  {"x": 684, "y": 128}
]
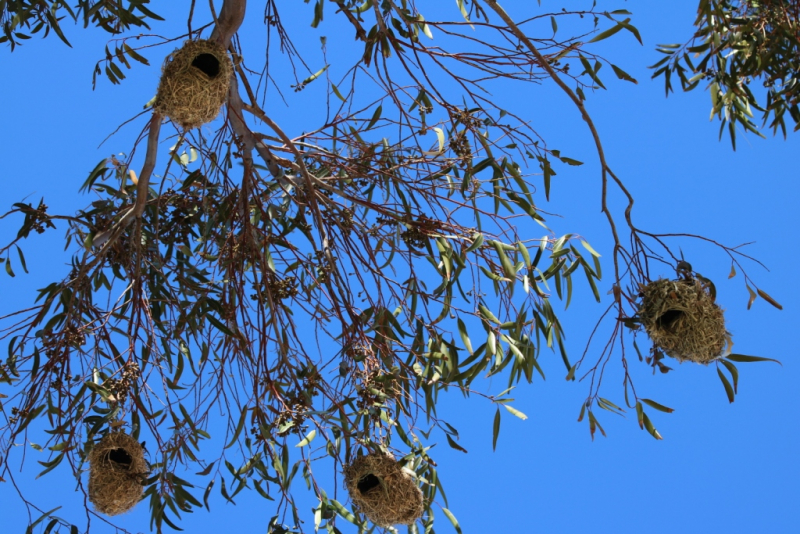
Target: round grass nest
[
  {"x": 194, "y": 83},
  {"x": 382, "y": 490},
  {"x": 116, "y": 470},
  {"x": 682, "y": 319}
]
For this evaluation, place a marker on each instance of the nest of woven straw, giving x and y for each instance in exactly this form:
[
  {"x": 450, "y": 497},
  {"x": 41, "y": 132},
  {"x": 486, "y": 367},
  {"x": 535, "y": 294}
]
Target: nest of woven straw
[
  {"x": 194, "y": 83},
  {"x": 117, "y": 469},
  {"x": 682, "y": 319},
  {"x": 383, "y": 491}
]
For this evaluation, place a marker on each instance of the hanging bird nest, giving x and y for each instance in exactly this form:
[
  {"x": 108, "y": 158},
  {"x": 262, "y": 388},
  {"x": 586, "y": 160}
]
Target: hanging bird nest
[
  {"x": 117, "y": 469},
  {"x": 682, "y": 319},
  {"x": 383, "y": 491},
  {"x": 194, "y": 83}
]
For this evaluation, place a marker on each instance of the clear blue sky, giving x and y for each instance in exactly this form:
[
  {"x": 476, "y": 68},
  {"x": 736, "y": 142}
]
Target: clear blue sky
[{"x": 721, "y": 467}]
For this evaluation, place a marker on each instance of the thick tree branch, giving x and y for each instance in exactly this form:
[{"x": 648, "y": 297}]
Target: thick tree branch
[
  {"x": 142, "y": 187},
  {"x": 229, "y": 20}
]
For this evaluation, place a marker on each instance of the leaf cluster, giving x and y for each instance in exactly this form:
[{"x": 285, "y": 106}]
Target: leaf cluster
[
  {"x": 748, "y": 54},
  {"x": 21, "y": 19}
]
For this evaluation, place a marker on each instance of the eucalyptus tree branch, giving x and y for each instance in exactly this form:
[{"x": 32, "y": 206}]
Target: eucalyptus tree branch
[
  {"x": 248, "y": 138},
  {"x": 142, "y": 187},
  {"x": 605, "y": 169},
  {"x": 361, "y": 35},
  {"x": 230, "y": 18}
]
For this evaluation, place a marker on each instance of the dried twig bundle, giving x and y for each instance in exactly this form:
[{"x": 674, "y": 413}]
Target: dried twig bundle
[
  {"x": 117, "y": 468},
  {"x": 194, "y": 83},
  {"x": 382, "y": 490},
  {"x": 682, "y": 319}
]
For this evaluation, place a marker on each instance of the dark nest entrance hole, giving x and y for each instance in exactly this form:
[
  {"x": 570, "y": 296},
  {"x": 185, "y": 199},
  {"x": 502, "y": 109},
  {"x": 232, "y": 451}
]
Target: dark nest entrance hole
[
  {"x": 367, "y": 483},
  {"x": 668, "y": 319},
  {"x": 208, "y": 64},
  {"x": 120, "y": 457}
]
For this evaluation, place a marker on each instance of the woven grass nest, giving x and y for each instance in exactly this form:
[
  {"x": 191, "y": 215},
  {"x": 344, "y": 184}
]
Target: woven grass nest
[
  {"x": 383, "y": 491},
  {"x": 682, "y": 319},
  {"x": 117, "y": 468},
  {"x": 194, "y": 83}
]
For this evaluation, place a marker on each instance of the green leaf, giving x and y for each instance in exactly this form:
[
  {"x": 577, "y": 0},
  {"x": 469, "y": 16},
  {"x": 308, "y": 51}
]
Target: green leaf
[
  {"x": 117, "y": 71},
  {"x": 22, "y": 259},
  {"x": 608, "y": 33},
  {"x": 496, "y": 429},
  {"x": 590, "y": 279},
  {"x": 439, "y": 140},
  {"x": 478, "y": 241},
  {"x": 375, "y": 117},
  {"x": 464, "y": 14},
  {"x": 207, "y": 493},
  {"x": 649, "y": 426},
  {"x": 489, "y": 274},
  {"x": 734, "y": 373},
  {"x": 337, "y": 93},
  {"x": 508, "y": 268},
  {"x": 308, "y": 439},
  {"x": 608, "y": 405},
  {"x": 526, "y": 256},
  {"x": 141, "y": 7},
  {"x": 570, "y": 161},
  {"x": 50, "y": 465},
  {"x": 318, "y": 13},
  {"x": 238, "y": 431},
  {"x": 743, "y": 358},
  {"x": 589, "y": 248},
  {"x": 135, "y": 55},
  {"x": 594, "y": 424},
  {"x": 592, "y": 74},
  {"x": 515, "y": 412},
  {"x": 487, "y": 314},
  {"x": 622, "y": 75},
  {"x": 462, "y": 330},
  {"x": 657, "y": 406},
  {"x": 452, "y": 519},
  {"x": 727, "y": 384},
  {"x": 43, "y": 517},
  {"x": 342, "y": 511},
  {"x": 54, "y": 25},
  {"x": 314, "y": 76},
  {"x": 218, "y": 325},
  {"x": 453, "y": 444},
  {"x": 548, "y": 174}
]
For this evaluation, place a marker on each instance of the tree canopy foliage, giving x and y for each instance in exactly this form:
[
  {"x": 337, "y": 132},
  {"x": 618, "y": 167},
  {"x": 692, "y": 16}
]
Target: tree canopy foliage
[
  {"x": 282, "y": 302},
  {"x": 736, "y": 44}
]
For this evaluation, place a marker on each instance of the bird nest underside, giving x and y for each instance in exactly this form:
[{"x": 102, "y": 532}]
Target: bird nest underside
[
  {"x": 383, "y": 491},
  {"x": 194, "y": 83},
  {"x": 682, "y": 319},
  {"x": 117, "y": 469}
]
